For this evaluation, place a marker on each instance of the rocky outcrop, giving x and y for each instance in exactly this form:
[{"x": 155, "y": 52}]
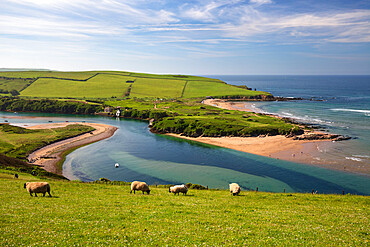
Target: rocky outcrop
[{"x": 321, "y": 136}]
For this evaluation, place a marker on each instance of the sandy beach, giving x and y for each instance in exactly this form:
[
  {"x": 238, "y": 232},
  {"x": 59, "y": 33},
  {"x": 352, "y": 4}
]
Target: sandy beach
[
  {"x": 239, "y": 106},
  {"x": 312, "y": 152},
  {"x": 48, "y": 156}
]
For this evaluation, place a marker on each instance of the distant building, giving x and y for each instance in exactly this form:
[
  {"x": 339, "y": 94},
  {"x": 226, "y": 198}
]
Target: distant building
[
  {"x": 108, "y": 109},
  {"x": 118, "y": 113}
]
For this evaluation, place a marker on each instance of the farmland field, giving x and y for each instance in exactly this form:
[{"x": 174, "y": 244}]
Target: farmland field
[
  {"x": 113, "y": 84},
  {"x": 161, "y": 88},
  {"x": 100, "y": 86},
  {"x": 195, "y": 89}
]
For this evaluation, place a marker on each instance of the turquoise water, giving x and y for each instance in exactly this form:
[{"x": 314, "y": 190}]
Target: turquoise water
[
  {"x": 153, "y": 158},
  {"x": 341, "y": 105}
]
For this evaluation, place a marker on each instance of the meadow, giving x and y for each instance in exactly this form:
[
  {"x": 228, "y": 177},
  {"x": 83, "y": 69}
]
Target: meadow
[
  {"x": 84, "y": 214},
  {"x": 116, "y": 84}
]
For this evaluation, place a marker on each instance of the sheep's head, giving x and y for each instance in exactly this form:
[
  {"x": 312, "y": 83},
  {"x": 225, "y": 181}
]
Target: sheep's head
[
  {"x": 25, "y": 185},
  {"x": 148, "y": 191}
]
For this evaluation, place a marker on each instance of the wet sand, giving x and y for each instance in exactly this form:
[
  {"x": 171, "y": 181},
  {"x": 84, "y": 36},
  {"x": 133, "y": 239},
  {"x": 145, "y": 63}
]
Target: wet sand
[{"x": 49, "y": 156}]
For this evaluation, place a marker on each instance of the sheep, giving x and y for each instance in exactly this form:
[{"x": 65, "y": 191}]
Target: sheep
[
  {"x": 178, "y": 188},
  {"x": 234, "y": 188},
  {"x": 136, "y": 185},
  {"x": 37, "y": 187}
]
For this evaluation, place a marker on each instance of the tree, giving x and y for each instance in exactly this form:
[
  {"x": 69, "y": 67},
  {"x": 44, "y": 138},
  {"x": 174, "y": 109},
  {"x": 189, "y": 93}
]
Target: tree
[{"x": 14, "y": 92}]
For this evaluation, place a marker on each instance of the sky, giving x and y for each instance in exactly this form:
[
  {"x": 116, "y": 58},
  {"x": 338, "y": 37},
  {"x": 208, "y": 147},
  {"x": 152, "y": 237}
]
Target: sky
[{"x": 197, "y": 37}]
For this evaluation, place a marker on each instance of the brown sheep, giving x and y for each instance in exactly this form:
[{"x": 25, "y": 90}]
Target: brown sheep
[
  {"x": 136, "y": 185},
  {"x": 234, "y": 188},
  {"x": 37, "y": 187}
]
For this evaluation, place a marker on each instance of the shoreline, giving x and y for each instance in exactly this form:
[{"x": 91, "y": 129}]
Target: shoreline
[
  {"x": 49, "y": 156},
  {"x": 309, "y": 152}
]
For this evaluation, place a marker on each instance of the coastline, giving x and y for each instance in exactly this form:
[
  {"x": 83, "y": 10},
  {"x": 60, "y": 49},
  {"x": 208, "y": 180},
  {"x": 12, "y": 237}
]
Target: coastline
[
  {"x": 310, "y": 152},
  {"x": 49, "y": 156}
]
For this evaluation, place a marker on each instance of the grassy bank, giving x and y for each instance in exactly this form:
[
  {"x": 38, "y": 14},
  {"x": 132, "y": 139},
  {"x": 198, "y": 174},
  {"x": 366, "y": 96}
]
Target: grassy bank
[
  {"x": 99, "y": 214},
  {"x": 18, "y": 142}
]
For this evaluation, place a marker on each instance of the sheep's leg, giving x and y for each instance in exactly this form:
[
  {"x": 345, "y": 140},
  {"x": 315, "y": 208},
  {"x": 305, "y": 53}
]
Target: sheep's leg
[
  {"x": 31, "y": 194},
  {"x": 49, "y": 193},
  {"x": 44, "y": 194},
  {"x": 35, "y": 194}
]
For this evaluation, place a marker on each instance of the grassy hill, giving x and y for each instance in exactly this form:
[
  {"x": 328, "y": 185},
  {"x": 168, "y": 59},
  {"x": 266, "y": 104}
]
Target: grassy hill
[
  {"x": 102, "y": 214},
  {"x": 116, "y": 84}
]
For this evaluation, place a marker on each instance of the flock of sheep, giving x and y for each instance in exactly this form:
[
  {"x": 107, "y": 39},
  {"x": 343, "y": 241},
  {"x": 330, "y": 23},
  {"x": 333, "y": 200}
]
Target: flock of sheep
[{"x": 44, "y": 187}]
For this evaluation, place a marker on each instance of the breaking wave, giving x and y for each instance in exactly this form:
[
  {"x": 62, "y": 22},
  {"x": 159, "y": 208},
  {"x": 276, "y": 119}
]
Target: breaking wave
[{"x": 366, "y": 112}]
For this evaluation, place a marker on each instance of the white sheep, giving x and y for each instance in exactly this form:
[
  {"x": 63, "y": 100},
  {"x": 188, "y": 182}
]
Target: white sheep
[
  {"x": 136, "y": 185},
  {"x": 37, "y": 187},
  {"x": 234, "y": 188},
  {"x": 178, "y": 188}
]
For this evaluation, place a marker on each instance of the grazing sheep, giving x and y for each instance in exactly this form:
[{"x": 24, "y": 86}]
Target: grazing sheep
[
  {"x": 234, "y": 188},
  {"x": 178, "y": 188},
  {"x": 136, "y": 185},
  {"x": 37, "y": 187}
]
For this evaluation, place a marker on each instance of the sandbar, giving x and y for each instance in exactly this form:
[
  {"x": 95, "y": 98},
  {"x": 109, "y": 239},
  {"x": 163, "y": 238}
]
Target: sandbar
[{"x": 48, "y": 157}]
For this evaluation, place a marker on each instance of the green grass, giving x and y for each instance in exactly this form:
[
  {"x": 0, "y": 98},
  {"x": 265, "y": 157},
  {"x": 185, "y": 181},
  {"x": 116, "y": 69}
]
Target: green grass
[
  {"x": 97, "y": 214},
  {"x": 13, "y": 84},
  {"x": 198, "y": 89},
  {"x": 18, "y": 142},
  {"x": 100, "y": 86},
  {"x": 35, "y": 74},
  {"x": 160, "y": 88},
  {"x": 108, "y": 84}
]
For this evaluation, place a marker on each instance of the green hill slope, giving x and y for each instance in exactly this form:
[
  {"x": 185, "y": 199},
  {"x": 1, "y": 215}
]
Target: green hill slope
[
  {"x": 100, "y": 214},
  {"x": 116, "y": 84}
]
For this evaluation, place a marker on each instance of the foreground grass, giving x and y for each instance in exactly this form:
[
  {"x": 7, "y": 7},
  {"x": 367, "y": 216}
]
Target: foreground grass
[{"x": 85, "y": 214}]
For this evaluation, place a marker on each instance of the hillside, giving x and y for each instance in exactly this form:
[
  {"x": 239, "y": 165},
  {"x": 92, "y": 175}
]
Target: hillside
[
  {"x": 115, "y": 84},
  {"x": 104, "y": 214}
]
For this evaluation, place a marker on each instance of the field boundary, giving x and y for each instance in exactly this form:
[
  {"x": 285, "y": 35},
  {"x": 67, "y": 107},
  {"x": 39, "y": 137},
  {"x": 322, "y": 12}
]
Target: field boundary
[{"x": 183, "y": 90}]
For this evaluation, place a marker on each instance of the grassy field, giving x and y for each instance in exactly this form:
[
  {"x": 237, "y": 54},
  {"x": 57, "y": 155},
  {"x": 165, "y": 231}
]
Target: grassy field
[
  {"x": 83, "y": 75},
  {"x": 18, "y": 142},
  {"x": 112, "y": 84},
  {"x": 198, "y": 89},
  {"x": 85, "y": 214},
  {"x": 161, "y": 88},
  {"x": 100, "y": 86},
  {"x": 13, "y": 84}
]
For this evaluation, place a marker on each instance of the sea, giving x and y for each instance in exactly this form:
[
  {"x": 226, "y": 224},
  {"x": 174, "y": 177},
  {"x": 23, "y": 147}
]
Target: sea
[{"x": 340, "y": 105}]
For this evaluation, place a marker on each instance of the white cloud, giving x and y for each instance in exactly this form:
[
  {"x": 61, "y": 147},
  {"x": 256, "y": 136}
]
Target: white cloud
[{"x": 260, "y": 2}]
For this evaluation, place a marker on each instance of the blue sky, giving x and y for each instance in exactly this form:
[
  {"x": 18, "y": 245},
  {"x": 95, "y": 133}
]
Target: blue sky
[{"x": 188, "y": 37}]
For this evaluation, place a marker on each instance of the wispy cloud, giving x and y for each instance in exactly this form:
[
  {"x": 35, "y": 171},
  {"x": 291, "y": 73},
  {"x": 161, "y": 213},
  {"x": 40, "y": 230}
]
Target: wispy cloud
[
  {"x": 188, "y": 27},
  {"x": 260, "y": 2}
]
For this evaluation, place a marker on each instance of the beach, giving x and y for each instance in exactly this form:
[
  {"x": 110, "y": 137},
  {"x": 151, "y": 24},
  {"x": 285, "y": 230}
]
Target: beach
[
  {"x": 311, "y": 152},
  {"x": 49, "y": 156}
]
